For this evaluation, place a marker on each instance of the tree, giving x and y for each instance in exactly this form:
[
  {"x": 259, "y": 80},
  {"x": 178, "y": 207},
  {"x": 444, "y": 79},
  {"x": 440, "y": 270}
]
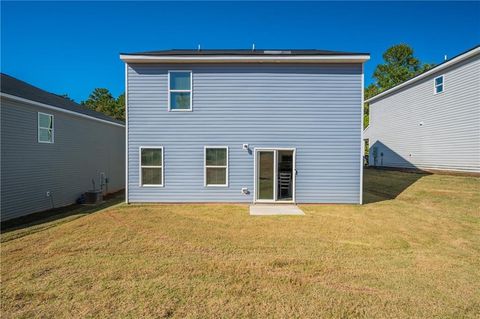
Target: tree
[
  {"x": 120, "y": 114},
  {"x": 121, "y": 100},
  {"x": 101, "y": 100},
  {"x": 370, "y": 91},
  {"x": 399, "y": 66}
]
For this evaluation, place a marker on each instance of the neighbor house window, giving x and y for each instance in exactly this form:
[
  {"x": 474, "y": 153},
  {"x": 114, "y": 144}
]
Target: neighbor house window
[
  {"x": 45, "y": 128},
  {"x": 216, "y": 166},
  {"x": 180, "y": 90},
  {"x": 438, "y": 84},
  {"x": 151, "y": 166}
]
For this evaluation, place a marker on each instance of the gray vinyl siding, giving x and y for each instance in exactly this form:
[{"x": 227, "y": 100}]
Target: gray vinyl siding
[
  {"x": 83, "y": 148},
  {"x": 314, "y": 108},
  {"x": 449, "y": 138}
]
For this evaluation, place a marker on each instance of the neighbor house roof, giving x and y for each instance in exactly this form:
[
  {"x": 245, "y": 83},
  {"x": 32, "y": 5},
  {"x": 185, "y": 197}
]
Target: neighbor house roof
[
  {"x": 244, "y": 55},
  {"x": 20, "y": 90},
  {"x": 448, "y": 63}
]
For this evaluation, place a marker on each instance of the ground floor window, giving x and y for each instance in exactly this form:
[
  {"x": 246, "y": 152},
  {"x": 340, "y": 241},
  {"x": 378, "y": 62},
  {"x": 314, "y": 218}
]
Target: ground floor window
[
  {"x": 216, "y": 166},
  {"x": 151, "y": 166}
]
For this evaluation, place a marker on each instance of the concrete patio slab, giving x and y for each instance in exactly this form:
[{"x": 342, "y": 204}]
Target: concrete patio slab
[{"x": 269, "y": 210}]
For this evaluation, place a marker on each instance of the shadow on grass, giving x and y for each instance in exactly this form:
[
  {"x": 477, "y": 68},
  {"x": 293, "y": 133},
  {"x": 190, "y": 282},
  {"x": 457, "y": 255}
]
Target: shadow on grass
[
  {"x": 25, "y": 225},
  {"x": 381, "y": 184}
]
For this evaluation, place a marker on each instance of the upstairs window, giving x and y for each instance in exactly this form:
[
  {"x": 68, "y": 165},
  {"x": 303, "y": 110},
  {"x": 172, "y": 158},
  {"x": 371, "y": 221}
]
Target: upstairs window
[
  {"x": 151, "y": 166},
  {"x": 45, "y": 128},
  {"x": 216, "y": 166},
  {"x": 179, "y": 90},
  {"x": 438, "y": 84}
]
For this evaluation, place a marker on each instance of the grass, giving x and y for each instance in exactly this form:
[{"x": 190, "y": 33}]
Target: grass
[
  {"x": 33, "y": 223},
  {"x": 413, "y": 251}
]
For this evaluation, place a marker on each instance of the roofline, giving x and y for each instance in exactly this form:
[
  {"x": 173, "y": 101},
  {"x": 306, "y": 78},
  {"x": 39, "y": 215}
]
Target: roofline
[
  {"x": 349, "y": 58},
  {"x": 51, "y": 107},
  {"x": 459, "y": 58},
  {"x": 242, "y": 52}
]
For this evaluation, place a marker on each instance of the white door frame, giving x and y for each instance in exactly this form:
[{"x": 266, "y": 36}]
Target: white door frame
[{"x": 275, "y": 160}]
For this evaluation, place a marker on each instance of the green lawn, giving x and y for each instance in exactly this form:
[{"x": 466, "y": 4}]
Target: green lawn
[{"x": 413, "y": 251}]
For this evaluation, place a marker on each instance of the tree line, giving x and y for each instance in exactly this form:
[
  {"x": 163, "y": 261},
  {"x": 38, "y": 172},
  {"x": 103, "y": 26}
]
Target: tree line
[
  {"x": 101, "y": 100},
  {"x": 399, "y": 64}
]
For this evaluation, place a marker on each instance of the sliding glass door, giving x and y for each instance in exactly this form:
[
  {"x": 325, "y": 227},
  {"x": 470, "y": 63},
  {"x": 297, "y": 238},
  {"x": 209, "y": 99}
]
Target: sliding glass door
[
  {"x": 266, "y": 175},
  {"x": 275, "y": 175}
]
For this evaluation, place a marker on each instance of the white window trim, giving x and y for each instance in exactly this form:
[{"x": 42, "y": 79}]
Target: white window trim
[
  {"x": 214, "y": 166},
  {"x": 140, "y": 166},
  {"x": 435, "y": 85},
  {"x": 39, "y": 127},
  {"x": 186, "y": 91}
]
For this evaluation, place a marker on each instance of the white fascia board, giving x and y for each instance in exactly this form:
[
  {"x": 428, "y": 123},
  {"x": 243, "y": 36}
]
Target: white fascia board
[
  {"x": 245, "y": 59},
  {"x": 439, "y": 68},
  {"x": 58, "y": 109}
]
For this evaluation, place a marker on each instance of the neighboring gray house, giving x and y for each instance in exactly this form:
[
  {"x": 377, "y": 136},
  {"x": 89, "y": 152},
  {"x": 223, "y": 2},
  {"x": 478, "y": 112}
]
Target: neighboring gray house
[
  {"x": 244, "y": 126},
  {"x": 431, "y": 121},
  {"x": 52, "y": 148}
]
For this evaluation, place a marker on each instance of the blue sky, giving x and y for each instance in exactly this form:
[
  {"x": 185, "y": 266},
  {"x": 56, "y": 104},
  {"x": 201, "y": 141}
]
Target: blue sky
[{"x": 66, "y": 47}]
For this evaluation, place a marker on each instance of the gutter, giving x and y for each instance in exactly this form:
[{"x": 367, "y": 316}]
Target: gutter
[{"x": 245, "y": 59}]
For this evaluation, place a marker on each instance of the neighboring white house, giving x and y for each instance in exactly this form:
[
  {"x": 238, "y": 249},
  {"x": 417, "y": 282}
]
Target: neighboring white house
[
  {"x": 431, "y": 121},
  {"x": 52, "y": 149}
]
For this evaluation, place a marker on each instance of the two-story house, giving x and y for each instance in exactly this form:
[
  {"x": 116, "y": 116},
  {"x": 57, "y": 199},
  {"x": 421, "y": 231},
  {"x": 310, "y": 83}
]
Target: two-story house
[
  {"x": 53, "y": 150},
  {"x": 430, "y": 122},
  {"x": 244, "y": 126}
]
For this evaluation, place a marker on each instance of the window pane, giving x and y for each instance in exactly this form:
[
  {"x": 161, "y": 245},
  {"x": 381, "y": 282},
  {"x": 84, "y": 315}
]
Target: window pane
[
  {"x": 438, "y": 80},
  {"x": 45, "y": 120},
  {"x": 152, "y": 157},
  {"x": 216, "y": 176},
  {"x": 151, "y": 176},
  {"x": 180, "y": 80},
  {"x": 266, "y": 175},
  {"x": 179, "y": 100},
  {"x": 45, "y": 135},
  {"x": 216, "y": 156},
  {"x": 439, "y": 88}
]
